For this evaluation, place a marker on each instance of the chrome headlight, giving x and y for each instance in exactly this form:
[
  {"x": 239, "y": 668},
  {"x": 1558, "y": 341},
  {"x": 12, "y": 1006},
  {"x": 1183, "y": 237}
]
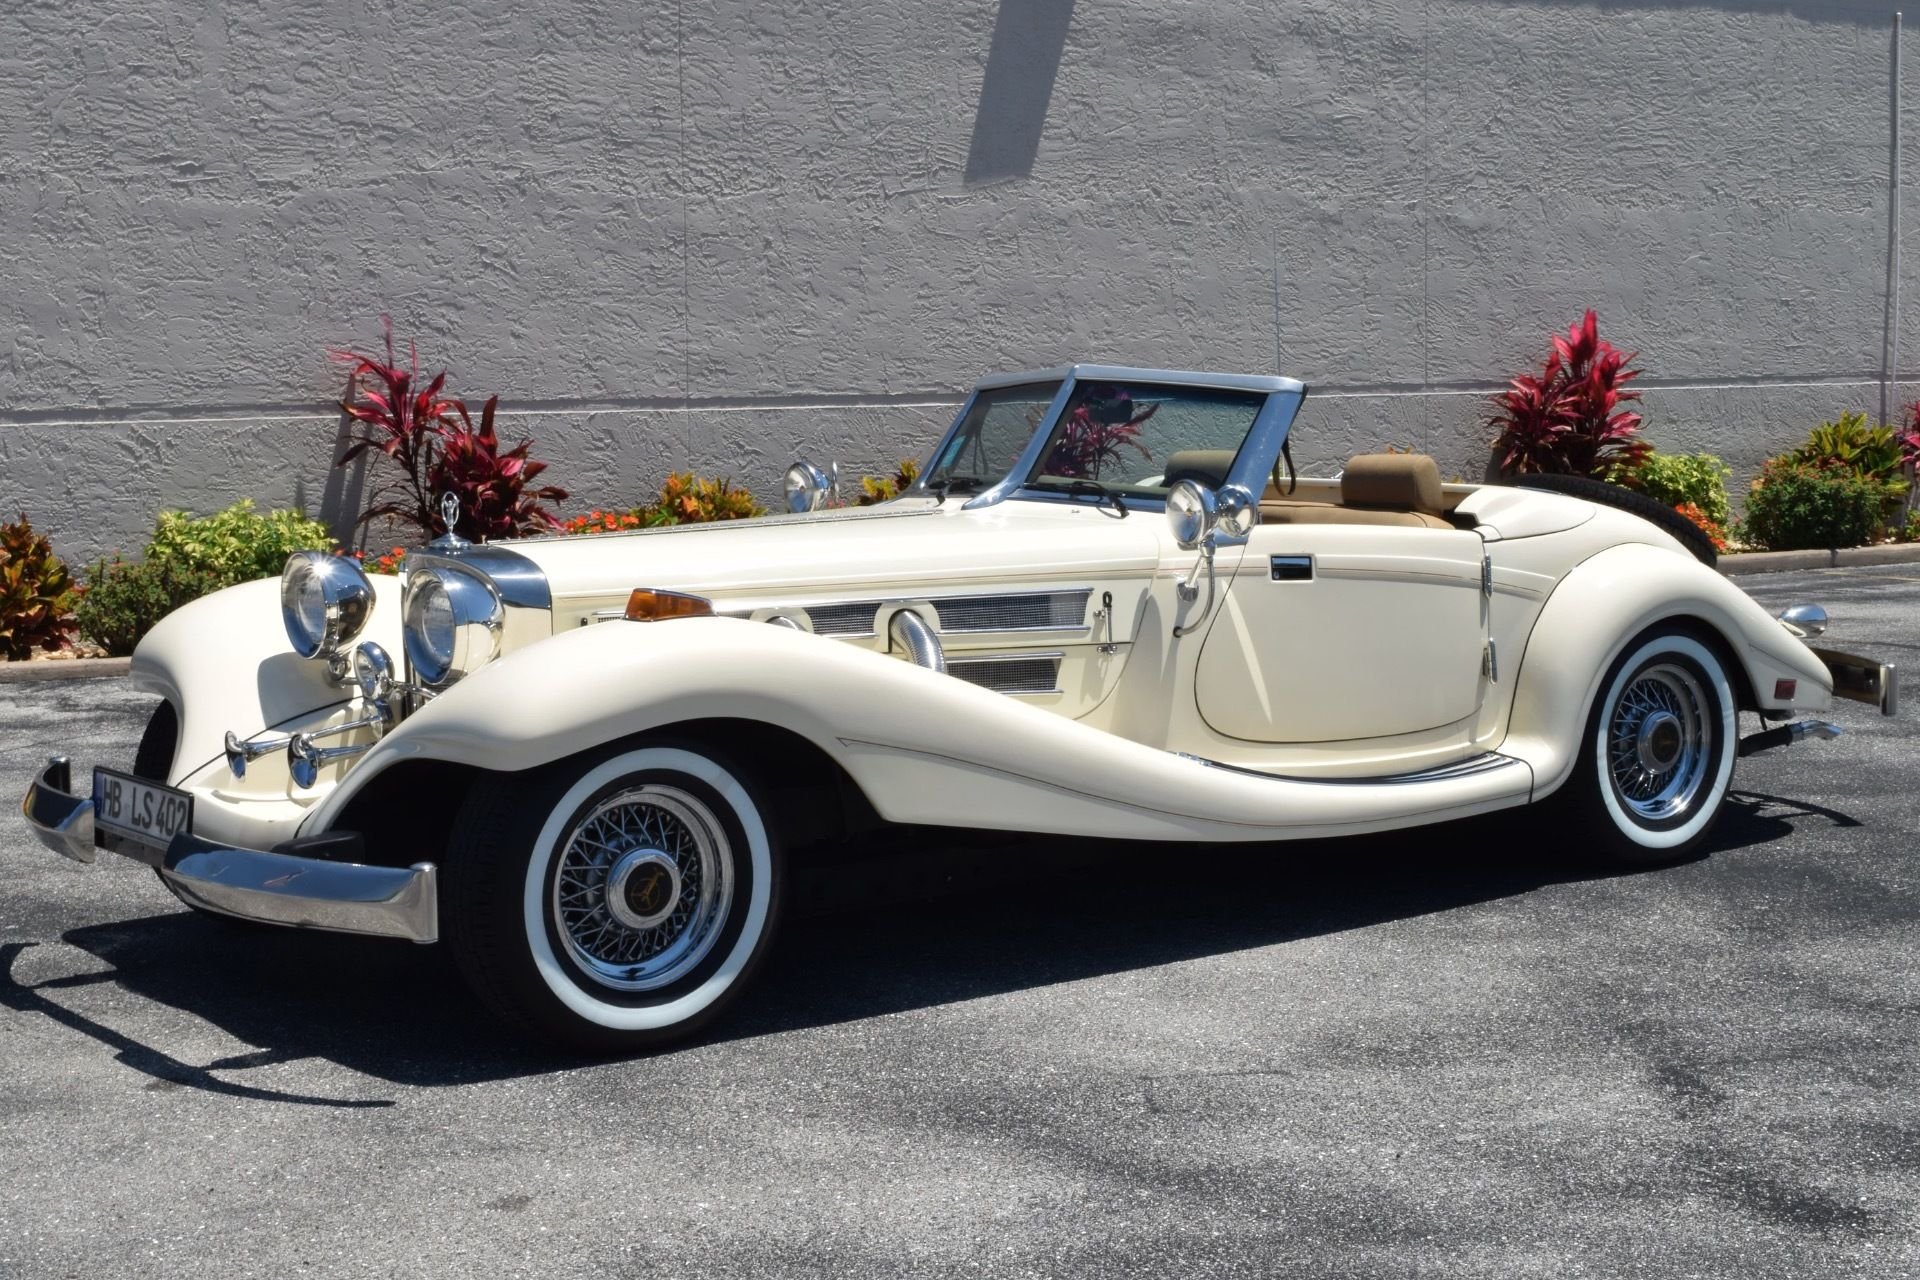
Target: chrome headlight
[
  {"x": 452, "y": 625},
  {"x": 325, "y": 601},
  {"x": 1191, "y": 512}
]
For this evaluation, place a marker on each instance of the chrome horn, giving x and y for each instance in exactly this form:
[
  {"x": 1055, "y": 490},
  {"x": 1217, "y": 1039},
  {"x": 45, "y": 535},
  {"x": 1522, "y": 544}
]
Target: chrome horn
[
  {"x": 240, "y": 754},
  {"x": 304, "y": 760}
]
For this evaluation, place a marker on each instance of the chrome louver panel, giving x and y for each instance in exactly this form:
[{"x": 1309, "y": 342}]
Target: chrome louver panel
[
  {"x": 1025, "y": 611},
  {"x": 965, "y": 615},
  {"x": 1014, "y": 673}
]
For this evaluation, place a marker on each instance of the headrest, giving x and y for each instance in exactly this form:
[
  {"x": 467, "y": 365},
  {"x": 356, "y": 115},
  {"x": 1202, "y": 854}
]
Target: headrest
[
  {"x": 1393, "y": 482},
  {"x": 1208, "y": 466}
]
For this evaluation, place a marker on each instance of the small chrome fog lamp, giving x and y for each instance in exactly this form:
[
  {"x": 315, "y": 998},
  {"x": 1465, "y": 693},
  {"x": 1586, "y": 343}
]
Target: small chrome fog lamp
[
  {"x": 373, "y": 672},
  {"x": 1805, "y": 620},
  {"x": 1192, "y": 512},
  {"x": 452, "y": 625},
  {"x": 325, "y": 601},
  {"x": 807, "y": 487}
]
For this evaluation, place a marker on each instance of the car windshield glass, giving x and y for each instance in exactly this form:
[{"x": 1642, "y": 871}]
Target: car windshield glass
[
  {"x": 988, "y": 443},
  {"x": 1137, "y": 438}
]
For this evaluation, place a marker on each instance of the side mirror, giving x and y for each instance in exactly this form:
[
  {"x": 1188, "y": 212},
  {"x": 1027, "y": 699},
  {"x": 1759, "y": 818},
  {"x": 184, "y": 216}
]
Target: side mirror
[
  {"x": 1192, "y": 512},
  {"x": 808, "y": 487}
]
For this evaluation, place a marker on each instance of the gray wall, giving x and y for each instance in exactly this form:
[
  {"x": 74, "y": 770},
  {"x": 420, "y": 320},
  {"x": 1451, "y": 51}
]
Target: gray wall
[{"x": 718, "y": 234}]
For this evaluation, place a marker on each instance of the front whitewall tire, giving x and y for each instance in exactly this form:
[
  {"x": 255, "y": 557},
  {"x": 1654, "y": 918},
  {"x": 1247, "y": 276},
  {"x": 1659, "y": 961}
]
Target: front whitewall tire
[{"x": 536, "y": 896}]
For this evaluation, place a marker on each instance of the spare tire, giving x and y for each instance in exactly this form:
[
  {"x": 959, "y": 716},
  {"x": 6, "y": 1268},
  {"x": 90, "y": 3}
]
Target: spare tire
[{"x": 1665, "y": 518}]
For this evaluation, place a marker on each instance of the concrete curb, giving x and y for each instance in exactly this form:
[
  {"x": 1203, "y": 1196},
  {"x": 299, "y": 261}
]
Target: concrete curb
[
  {"x": 62, "y": 669},
  {"x": 1782, "y": 561}
]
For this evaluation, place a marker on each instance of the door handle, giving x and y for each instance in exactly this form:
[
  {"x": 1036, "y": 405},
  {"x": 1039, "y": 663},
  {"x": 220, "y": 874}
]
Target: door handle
[{"x": 1291, "y": 568}]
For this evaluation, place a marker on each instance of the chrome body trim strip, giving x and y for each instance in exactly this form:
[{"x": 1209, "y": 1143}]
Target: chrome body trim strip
[{"x": 1472, "y": 766}]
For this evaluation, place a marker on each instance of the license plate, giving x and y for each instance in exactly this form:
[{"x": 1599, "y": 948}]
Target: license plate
[{"x": 134, "y": 809}]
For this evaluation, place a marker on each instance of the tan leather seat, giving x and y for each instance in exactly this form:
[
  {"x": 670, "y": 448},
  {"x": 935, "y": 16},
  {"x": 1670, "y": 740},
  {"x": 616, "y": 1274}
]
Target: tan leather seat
[{"x": 1395, "y": 489}]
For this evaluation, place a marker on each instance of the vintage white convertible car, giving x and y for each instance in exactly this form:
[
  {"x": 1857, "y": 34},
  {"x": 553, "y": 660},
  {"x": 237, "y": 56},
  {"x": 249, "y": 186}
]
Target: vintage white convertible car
[{"x": 1102, "y": 610}]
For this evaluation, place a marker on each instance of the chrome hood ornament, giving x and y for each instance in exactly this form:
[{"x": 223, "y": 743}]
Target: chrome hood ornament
[{"x": 450, "y": 517}]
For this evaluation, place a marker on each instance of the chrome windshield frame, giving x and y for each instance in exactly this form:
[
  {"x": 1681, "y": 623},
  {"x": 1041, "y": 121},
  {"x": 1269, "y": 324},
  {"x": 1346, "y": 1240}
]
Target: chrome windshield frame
[{"x": 1251, "y": 465}]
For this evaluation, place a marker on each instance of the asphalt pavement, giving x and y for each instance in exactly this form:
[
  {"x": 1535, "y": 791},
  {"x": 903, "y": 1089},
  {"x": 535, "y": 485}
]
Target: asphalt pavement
[{"x": 1448, "y": 1052}]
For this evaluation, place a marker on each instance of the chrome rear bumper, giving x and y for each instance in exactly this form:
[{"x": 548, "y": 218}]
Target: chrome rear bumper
[{"x": 254, "y": 884}]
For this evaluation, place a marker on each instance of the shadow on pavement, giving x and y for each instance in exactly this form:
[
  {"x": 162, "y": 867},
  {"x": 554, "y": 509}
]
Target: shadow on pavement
[{"x": 935, "y": 917}]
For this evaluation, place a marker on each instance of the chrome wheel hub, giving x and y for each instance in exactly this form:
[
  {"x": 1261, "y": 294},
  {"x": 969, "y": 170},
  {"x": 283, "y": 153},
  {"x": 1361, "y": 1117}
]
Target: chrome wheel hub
[
  {"x": 643, "y": 886},
  {"x": 1659, "y": 733}
]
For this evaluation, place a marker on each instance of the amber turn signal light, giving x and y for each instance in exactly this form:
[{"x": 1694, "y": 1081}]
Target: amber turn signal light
[{"x": 648, "y": 605}]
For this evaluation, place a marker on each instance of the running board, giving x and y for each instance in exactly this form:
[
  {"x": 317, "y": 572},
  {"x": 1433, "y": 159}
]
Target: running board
[{"x": 1788, "y": 734}]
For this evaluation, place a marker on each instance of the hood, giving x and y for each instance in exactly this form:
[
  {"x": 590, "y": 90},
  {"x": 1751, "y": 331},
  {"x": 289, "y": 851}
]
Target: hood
[{"x": 899, "y": 548}]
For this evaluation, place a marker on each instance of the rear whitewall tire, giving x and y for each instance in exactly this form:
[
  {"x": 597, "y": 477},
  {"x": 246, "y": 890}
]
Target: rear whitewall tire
[{"x": 1667, "y": 678}]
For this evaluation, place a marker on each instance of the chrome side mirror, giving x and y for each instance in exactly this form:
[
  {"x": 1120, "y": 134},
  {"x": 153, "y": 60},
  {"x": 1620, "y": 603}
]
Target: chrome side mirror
[
  {"x": 1805, "y": 620},
  {"x": 1192, "y": 512},
  {"x": 808, "y": 487}
]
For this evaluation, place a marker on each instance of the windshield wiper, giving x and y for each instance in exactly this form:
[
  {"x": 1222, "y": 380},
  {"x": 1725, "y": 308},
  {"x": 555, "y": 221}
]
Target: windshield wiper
[
  {"x": 955, "y": 484},
  {"x": 1087, "y": 489}
]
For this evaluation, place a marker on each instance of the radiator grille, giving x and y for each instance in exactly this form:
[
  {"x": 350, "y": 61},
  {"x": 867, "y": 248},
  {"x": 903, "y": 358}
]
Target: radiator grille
[
  {"x": 1037, "y": 674},
  {"x": 1027, "y": 611}
]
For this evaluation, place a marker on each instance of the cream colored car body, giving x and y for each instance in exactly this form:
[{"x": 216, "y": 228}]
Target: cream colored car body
[{"x": 1419, "y": 675}]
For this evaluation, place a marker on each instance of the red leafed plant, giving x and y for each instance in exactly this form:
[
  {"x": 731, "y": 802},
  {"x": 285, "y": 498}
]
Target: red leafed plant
[
  {"x": 37, "y": 594},
  {"x": 1095, "y": 432},
  {"x": 439, "y": 450},
  {"x": 1570, "y": 418},
  {"x": 1910, "y": 436}
]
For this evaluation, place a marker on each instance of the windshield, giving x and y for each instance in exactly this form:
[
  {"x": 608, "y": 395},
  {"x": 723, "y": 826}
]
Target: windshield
[
  {"x": 988, "y": 443},
  {"x": 1130, "y": 437}
]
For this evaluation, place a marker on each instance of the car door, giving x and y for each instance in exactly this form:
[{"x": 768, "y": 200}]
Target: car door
[{"x": 1336, "y": 632}]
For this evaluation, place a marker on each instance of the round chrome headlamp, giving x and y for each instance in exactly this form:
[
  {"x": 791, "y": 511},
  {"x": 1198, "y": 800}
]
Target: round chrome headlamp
[
  {"x": 807, "y": 487},
  {"x": 325, "y": 601},
  {"x": 1191, "y": 511},
  {"x": 452, "y": 625}
]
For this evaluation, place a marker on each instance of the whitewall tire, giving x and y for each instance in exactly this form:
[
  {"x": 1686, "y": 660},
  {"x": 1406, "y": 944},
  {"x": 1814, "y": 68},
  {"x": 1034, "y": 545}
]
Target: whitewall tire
[
  {"x": 617, "y": 901},
  {"x": 1656, "y": 760}
]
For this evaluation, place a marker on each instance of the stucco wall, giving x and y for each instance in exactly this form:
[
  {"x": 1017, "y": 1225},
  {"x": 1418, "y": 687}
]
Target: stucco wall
[{"x": 716, "y": 234}]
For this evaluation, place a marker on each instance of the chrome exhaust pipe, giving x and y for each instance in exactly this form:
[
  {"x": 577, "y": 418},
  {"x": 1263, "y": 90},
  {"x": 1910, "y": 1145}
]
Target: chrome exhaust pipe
[{"x": 1788, "y": 734}]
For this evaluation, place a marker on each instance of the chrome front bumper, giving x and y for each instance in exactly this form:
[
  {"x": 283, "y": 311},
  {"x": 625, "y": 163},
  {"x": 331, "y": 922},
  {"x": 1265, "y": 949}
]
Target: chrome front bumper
[{"x": 254, "y": 884}]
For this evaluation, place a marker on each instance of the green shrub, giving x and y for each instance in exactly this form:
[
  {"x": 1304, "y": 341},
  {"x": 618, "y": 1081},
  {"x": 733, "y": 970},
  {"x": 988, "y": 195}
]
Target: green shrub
[
  {"x": 123, "y": 601},
  {"x": 189, "y": 557},
  {"x": 1797, "y": 505},
  {"x": 1851, "y": 443},
  {"x": 37, "y": 594},
  {"x": 1679, "y": 478},
  {"x": 235, "y": 545}
]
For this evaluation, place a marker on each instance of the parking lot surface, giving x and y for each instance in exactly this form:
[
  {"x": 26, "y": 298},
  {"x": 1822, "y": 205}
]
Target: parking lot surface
[{"x": 1447, "y": 1052}]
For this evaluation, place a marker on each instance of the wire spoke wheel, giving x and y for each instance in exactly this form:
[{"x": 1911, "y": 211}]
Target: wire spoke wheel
[
  {"x": 642, "y": 887},
  {"x": 1659, "y": 742}
]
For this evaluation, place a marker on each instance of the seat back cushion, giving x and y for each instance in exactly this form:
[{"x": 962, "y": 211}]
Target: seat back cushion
[
  {"x": 1393, "y": 482},
  {"x": 1208, "y": 466}
]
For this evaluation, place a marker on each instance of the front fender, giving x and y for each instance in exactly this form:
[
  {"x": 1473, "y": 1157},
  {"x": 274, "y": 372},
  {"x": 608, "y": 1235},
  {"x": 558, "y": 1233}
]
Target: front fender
[
  {"x": 1601, "y": 606},
  {"x": 923, "y": 747},
  {"x": 224, "y": 662}
]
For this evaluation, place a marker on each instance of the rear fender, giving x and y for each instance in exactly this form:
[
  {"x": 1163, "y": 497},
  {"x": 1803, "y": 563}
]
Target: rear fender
[{"x": 1607, "y": 601}]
